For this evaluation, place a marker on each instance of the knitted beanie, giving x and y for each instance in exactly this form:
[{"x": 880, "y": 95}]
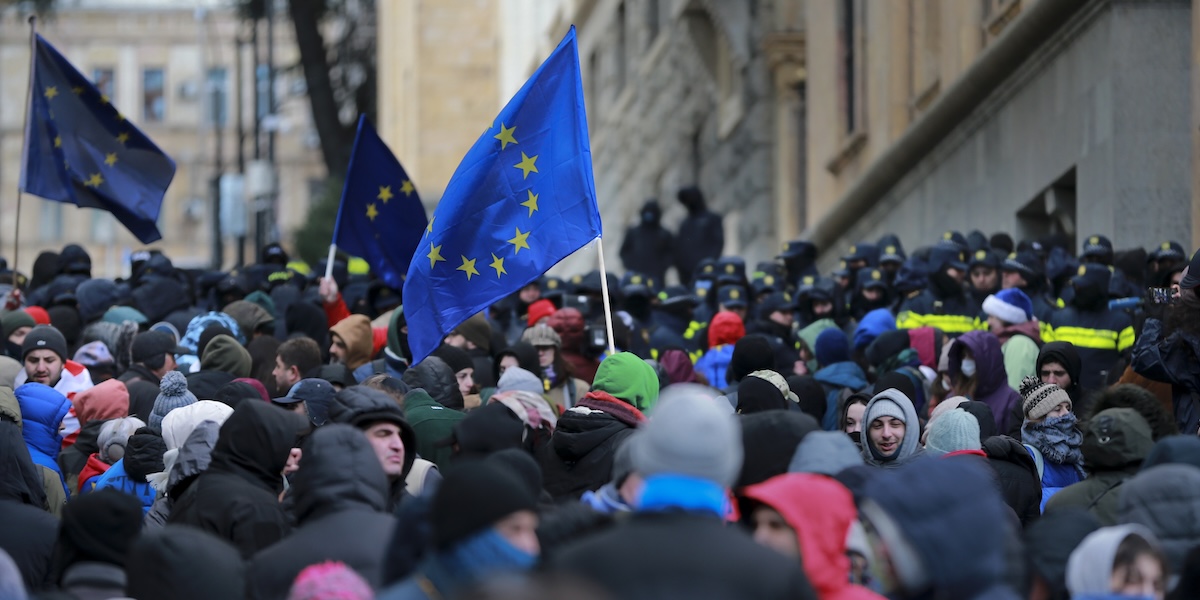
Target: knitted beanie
[
  {"x": 456, "y": 513},
  {"x": 689, "y": 435},
  {"x": 330, "y": 580},
  {"x": 45, "y": 337},
  {"x": 831, "y": 347},
  {"x": 1010, "y": 305},
  {"x": 954, "y": 431},
  {"x": 1038, "y": 398},
  {"x": 173, "y": 393},
  {"x": 16, "y": 319}
]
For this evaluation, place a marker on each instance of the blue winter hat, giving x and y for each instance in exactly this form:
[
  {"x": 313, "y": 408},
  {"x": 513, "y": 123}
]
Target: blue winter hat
[
  {"x": 832, "y": 347},
  {"x": 873, "y": 325},
  {"x": 1010, "y": 306}
]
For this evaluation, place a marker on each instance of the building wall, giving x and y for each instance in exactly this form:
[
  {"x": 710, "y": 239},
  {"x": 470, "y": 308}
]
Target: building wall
[
  {"x": 438, "y": 83},
  {"x": 1093, "y": 116},
  {"x": 129, "y": 37}
]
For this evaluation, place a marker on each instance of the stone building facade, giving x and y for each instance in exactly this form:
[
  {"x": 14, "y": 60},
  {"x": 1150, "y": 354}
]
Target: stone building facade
[
  {"x": 160, "y": 61},
  {"x": 693, "y": 92},
  {"x": 1034, "y": 117}
]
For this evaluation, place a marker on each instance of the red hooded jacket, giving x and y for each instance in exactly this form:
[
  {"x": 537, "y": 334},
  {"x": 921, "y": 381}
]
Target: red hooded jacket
[{"x": 821, "y": 511}]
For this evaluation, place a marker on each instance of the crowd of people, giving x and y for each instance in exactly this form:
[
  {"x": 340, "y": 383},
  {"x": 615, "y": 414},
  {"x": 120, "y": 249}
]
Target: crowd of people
[{"x": 979, "y": 419}]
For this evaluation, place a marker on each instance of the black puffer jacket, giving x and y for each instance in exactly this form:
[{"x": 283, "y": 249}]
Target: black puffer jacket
[
  {"x": 28, "y": 536},
  {"x": 182, "y": 563},
  {"x": 1017, "y": 475},
  {"x": 237, "y": 498},
  {"x": 359, "y": 406},
  {"x": 435, "y": 377},
  {"x": 341, "y": 493},
  {"x": 20, "y": 478},
  {"x": 580, "y": 454}
]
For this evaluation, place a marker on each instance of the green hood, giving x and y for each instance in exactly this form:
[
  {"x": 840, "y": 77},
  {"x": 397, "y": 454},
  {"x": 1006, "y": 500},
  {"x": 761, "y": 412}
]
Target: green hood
[
  {"x": 1116, "y": 439},
  {"x": 628, "y": 378},
  {"x": 808, "y": 337}
]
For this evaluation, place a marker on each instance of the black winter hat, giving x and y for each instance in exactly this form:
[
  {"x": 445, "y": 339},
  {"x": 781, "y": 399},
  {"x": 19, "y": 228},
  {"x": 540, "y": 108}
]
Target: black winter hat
[
  {"x": 45, "y": 337},
  {"x": 458, "y": 512},
  {"x": 751, "y": 353},
  {"x": 456, "y": 358},
  {"x": 890, "y": 249},
  {"x": 96, "y": 527},
  {"x": 487, "y": 429},
  {"x": 66, "y": 320},
  {"x": 1025, "y": 262}
]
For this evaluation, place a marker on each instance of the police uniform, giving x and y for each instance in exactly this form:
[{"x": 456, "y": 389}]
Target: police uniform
[
  {"x": 946, "y": 307},
  {"x": 1099, "y": 334}
]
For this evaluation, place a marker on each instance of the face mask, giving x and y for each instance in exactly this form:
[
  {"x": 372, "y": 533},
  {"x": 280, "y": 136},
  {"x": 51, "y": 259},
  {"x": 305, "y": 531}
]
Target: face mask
[{"x": 968, "y": 367}]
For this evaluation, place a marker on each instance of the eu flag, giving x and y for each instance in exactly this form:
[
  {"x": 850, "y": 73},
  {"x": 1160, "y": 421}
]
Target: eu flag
[
  {"x": 81, "y": 150},
  {"x": 522, "y": 199},
  {"x": 380, "y": 219}
]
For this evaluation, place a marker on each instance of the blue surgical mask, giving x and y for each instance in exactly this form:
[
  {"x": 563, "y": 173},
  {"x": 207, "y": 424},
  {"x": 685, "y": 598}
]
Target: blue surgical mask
[{"x": 968, "y": 367}]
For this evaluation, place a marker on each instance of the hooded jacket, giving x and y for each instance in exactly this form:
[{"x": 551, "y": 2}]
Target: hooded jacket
[
  {"x": 192, "y": 459},
  {"x": 1100, "y": 334},
  {"x": 182, "y": 563},
  {"x": 20, "y": 477},
  {"x": 835, "y": 378},
  {"x": 1170, "y": 357},
  {"x": 820, "y": 511},
  {"x": 225, "y": 354},
  {"x": 579, "y": 457},
  {"x": 431, "y": 423},
  {"x": 341, "y": 497},
  {"x": 909, "y": 448},
  {"x": 1166, "y": 500},
  {"x": 437, "y": 379},
  {"x": 1090, "y": 567},
  {"x": 991, "y": 387},
  {"x": 42, "y": 410},
  {"x": 360, "y": 407},
  {"x": 724, "y": 331},
  {"x": 701, "y": 234},
  {"x": 237, "y": 498},
  {"x": 961, "y": 546},
  {"x": 250, "y": 317},
  {"x": 627, "y": 377},
  {"x": 355, "y": 332},
  {"x": 1115, "y": 441},
  {"x": 28, "y": 536}
]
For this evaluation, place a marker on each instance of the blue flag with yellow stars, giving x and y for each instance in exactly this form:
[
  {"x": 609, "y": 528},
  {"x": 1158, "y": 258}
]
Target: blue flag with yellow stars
[
  {"x": 81, "y": 150},
  {"x": 522, "y": 199},
  {"x": 380, "y": 219}
]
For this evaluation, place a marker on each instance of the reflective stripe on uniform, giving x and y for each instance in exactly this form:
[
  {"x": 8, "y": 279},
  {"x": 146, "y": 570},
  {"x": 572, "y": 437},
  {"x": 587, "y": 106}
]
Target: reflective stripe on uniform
[
  {"x": 1126, "y": 339},
  {"x": 953, "y": 324},
  {"x": 1085, "y": 337}
]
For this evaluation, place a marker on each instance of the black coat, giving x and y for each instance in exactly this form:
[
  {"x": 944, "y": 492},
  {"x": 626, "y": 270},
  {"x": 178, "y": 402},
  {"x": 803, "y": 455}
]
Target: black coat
[
  {"x": 579, "y": 456},
  {"x": 360, "y": 407},
  {"x": 237, "y": 498},
  {"x": 182, "y": 563},
  {"x": 679, "y": 555},
  {"x": 1016, "y": 472},
  {"x": 28, "y": 537},
  {"x": 143, "y": 390},
  {"x": 340, "y": 496},
  {"x": 647, "y": 249},
  {"x": 1170, "y": 357},
  {"x": 701, "y": 236}
]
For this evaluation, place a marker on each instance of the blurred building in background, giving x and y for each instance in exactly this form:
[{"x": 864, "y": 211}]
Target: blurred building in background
[{"x": 174, "y": 68}]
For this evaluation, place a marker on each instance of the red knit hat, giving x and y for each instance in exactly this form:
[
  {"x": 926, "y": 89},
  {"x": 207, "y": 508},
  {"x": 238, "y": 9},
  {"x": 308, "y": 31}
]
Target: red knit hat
[{"x": 539, "y": 310}]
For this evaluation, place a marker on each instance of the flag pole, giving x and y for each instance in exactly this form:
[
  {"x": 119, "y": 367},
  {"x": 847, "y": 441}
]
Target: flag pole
[
  {"x": 24, "y": 151},
  {"x": 612, "y": 343},
  {"x": 329, "y": 261}
]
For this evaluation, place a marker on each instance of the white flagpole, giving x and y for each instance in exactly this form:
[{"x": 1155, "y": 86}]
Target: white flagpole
[
  {"x": 612, "y": 344},
  {"x": 24, "y": 150},
  {"x": 329, "y": 261}
]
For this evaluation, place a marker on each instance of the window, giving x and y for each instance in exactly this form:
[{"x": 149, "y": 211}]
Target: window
[
  {"x": 154, "y": 98},
  {"x": 261, "y": 76},
  {"x": 925, "y": 48},
  {"x": 104, "y": 80},
  {"x": 50, "y": 226},
  {"x": 102, "y": 226},
  {"x": 217, "y": 97},
  {"x": 851, "y": 64}
]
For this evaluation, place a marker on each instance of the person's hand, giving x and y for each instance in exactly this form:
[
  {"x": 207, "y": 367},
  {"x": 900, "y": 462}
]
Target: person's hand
[{"x": 328, "y": 290}]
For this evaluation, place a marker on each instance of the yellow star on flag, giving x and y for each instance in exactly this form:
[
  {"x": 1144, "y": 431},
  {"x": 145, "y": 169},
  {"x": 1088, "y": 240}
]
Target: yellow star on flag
[
  {"x": 527, "y": 164},
  {"x": 468, "y": 267},
  {"x": 77, "y": 90},
  {"x": 385, "y": 193},
  {"x": 505, "y": 136},
  {"x": 498, "y": 265},
  {"x": 531, "y": 203},
  {"x": 435, "y": 255},
  {"x": 51, "y": 92},
  {"x": 58, "y": 141},
  {"x": 520, "y": 241},
  {"x": 94, "y": 181},
  {"x": 104, "y": 98},
  {"x": 372, "y": 212},
  {"x": 407, "y": 187},
  {"x": 429, "y": 229},
  {"x": 123, "y": 137},
  {"x": 110, "y": 159}
]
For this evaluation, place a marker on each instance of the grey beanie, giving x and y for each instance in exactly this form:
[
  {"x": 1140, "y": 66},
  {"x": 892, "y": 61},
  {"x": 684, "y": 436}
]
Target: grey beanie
[
  {"x": 173, "y": 394},
  {"x": 689, "y": 435},
  {"x": 825, "y": 453},
  {"x": 887, "y": 407},
  {"x": 516, "y": 378},
  {"x": 953, "y": 431}
]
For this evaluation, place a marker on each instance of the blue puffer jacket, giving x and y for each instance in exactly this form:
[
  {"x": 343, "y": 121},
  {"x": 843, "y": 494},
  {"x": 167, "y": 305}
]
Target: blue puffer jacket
[
  {"x": 118, "y": 479},
  {"x": 714, "y": 363},
  {"x": 834, "y": 378},
  {"x": 42, "y": 411}
]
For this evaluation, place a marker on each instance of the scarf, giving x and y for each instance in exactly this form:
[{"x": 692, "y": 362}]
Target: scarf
[
  {"x": 469, "y": 562},
  {"x": 681, "y": 492},
  {"x": 1057, "y": 438}
]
